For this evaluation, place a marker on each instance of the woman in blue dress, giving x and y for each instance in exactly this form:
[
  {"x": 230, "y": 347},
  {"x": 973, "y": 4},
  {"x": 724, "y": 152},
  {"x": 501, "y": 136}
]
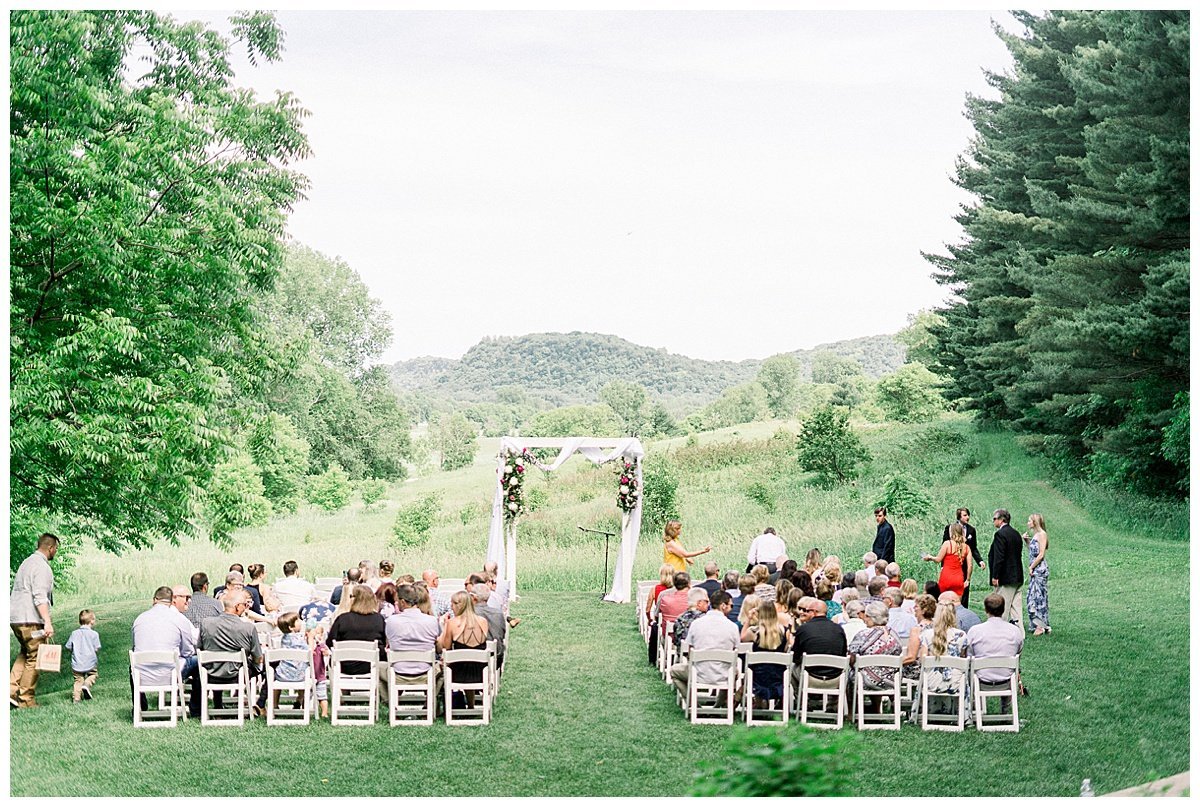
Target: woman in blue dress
[{"x": 1038, "y": 596}]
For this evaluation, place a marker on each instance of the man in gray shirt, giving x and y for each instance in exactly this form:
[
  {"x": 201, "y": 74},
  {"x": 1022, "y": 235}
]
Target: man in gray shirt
[
  {"x": 495, "y": 619},
  {"x": 29, "y": 617},
  {"x": 410, "y": 629},
  {"x": 202, "y": 605},
  {"x": 229, "y": 633}
]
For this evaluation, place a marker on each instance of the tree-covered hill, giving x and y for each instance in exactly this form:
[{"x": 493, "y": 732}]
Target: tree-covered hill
[{"x": 567, "y": 368}]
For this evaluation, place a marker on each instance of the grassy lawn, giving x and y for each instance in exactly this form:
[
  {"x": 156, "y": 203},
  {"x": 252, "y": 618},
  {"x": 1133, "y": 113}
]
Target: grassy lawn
[{"x": 581, "y": 713}]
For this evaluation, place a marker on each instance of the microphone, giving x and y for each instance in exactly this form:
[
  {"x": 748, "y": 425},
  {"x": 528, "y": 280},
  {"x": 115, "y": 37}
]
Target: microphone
[{"x": 582, "y": 528}]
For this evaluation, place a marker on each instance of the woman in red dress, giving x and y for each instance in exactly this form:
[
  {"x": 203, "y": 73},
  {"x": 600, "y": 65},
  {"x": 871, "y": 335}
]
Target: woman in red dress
[{"x": 951, "y": 557}]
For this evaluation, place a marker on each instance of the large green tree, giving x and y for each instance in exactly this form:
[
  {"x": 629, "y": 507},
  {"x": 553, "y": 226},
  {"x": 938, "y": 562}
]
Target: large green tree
[
  {"x": 148, "y": 203},
  {"x": 1071, "y": 316},
  {"x": 779, "y": 376}
]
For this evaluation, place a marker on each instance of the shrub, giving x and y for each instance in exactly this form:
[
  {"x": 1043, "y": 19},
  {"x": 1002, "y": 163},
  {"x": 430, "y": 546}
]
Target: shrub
[
  {"x": 371, "y": 491},
  {"x": 829, "y": 447},
  {"x": 770, "y": 762},
  {"x": 660, "y": 485},
  {"x": 759, "y": 493},
  {"x": 904, "y": 499},
  {"x": 910, "y": 395},
  {"x": 414, "y": 521},
  {"x": 535, "y": 498},
  {"x": 331, "y": 490}
]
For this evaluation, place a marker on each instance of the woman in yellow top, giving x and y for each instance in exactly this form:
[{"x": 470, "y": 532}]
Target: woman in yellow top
[{"x": 674, "y": 554}]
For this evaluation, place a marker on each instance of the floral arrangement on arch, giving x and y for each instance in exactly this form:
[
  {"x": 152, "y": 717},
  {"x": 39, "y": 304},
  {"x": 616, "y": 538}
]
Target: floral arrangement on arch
[
  {"x": 512, "y": 482},
  {"x": 627, "y": 487}
]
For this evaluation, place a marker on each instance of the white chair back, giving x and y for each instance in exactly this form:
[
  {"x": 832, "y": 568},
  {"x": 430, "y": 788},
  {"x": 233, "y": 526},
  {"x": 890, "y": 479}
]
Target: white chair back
[
  {"x": 408, "y": 702},
  {"x": 239, "y": 689},
  {"x": 891, "y": 689},
  {"x": 832, "y": 688},
  {"x": 704, "y": 698},
  {"x": 1004, "y": 690},
  {"x": 303, "y": 692},
  {"x": 170, "y": 693},
  {"x": 482, "y": 713},
  {"x": 929, "y": 676},
  {"x": 755, "y": 717}
]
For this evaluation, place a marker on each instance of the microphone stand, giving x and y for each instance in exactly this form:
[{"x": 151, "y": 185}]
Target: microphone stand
[{"x": 607, "y": 535}]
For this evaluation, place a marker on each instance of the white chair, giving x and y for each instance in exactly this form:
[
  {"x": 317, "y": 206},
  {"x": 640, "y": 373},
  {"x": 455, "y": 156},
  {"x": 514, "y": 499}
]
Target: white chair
[
  {"x": 863, "y": 689},
  {"x": 782, "y": 707},
  {"x": 667, "y": 653},
  {"x": 644, "y": 587},
  {"x": 449, "y": 585},
  {"x": 493, "y": 661},
  {"x": 412, "y": 703},
  {"x": 304, "y": 691},
  {"x": 353, "y": 699},
  {"x": 825, "y": 689},
  {"x": 482, "y": 712},
  {"x": 1007, "y": 689},
  {"x": 239, "y": 689},
  {"x": 704, "y": 699},
  {"x": 170, "y": 693},
  {"x": 327, "y": 583},
  {"x": 959, "y": 697}
]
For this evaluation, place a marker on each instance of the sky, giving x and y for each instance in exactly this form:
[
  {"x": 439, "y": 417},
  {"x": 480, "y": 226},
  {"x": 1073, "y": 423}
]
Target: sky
[{"x": 724, "y": 185}]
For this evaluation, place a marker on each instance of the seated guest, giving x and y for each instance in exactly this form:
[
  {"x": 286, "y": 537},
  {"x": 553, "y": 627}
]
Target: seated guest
[
  {"x": 965, "y": 617},
  {"x": 862, "y": 580},
  {"x": 293, "y": 638},
  {"x": 465, "y": 630},
  {"x": 712, "y": 631},
  {"x": 495, "y": 620},
  {"x": 370, "y": 574},
  {"x": 995, "y": 638},
  {"x": 881, "y": 568},
  {"x": 410, "y": 629},
  {"x": 440, "y": 599},
  {"x": 783, "y": 594},
  {"x": 825, "y": 595},
  {"x": 770, "y": 637},
  {"x": 817, "y": 636},
  {"x": 848, "y": 596},
  {"x": 230, "y": 632},
  {"x": 424, "y": 602},
  {"x": 293, "y": 591},
  {"x": 730, "y": 586},
  {"x": 853, "y": 622},
  {"x": 803, "y": 581},
  {"x": 931, "y": 588},
  {"x": 804, "y": 610},
  {"x": 163, "y": 627},
  {"x": 813, "y": 562},
  {"x": 868, "y": 564},
  {"x": 202, "y": 606},
  {"x": 892, "y": 573},
  {"x": 831, "y": 571},
  {"x": 875, "y": 640},
  {"x": 847, "y": 585},
  {"x": 351, "y": 578},
  {"x": 924, "y": 610},
  {"x": 698, "y": 603},
  {"x": 361, "y": 622},
  {"x": 233, "y": 567},
  {"x": 746, "y": 585},
  {"x": 909, "y": 589},
  {"x": 386, "y": 596},
  {"x": 259, "y": 587},
  {"x": 501, "y": 589},
  {"x": 666, "y": 577},
  {"x": 900, "y": 621},
  {"x": 945, "y": 638},
  {"x": 711, "y": 583},
  {"x": 181, "y": 600},
  {"x": 317, "y": 612},
  {"x": 875, "y": 590},
  {"x": 749, "y": 621},
  {"x": 674, "y": 602},
  {"x": 236, "y": 581},
  {"x": 786, "y": 570},
  {"x": 386, "y": 567},
  {"x": 762, "y": 588}
]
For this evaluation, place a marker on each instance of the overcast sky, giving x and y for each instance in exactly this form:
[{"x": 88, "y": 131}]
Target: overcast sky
[{"x": 724, "y": 185}]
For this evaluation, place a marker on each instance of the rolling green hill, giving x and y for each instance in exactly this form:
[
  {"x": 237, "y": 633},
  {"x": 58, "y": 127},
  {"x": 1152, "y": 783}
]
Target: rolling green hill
[{"x": 570, "y": 368}]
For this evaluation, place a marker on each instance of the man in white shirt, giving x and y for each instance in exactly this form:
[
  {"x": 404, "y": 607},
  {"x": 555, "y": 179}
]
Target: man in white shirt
[
  {"x": 293, "y": 591},
  {"x": 713, "y": 631},
  {"x": 766, "y": 549},
  {"x": 165, "y": 628}
]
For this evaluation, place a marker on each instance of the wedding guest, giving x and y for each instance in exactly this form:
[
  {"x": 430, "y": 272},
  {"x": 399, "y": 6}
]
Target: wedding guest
[
  {"x": 1039, "y": 575},
  {"x": 673, "y": 551}
]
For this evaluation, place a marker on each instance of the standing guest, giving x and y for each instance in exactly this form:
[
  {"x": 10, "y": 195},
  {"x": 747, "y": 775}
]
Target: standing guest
[
  {"x": 853, "y": 622},
  {"x": 875, "y": 640},
  {"x": 952, "y": 555},
  {"x": 885, "y": 537},
  {"x": 765, "y": 550},
  {"x": 440, "y": 599},
  {"x": 351, "y": 578},
  {"x": 965, "y": 617},
  {"x": 713, "y": 631},
  {"x": 1039, "y": 575},
  {"x": 892, "y": 573},
  {"x": 29, "y": 617},
  {"x": 229, "y": 632},
  {"x": 163, "y": 627},
  {"x": 673, "y": 551},
  {"x": 909, "y": 589},
  {"x": 84, "y": 643},
  {"x": 995, "y": 638},
  {"x": 202, "y": 606},
  {"x": 899, "y": 620},
  {"x": 762, "y": 588},
  {"x": 698, "y": 603},
  {"x": 672, "y": 603},
  {"x": 785, "y": 571},
  {"x": 963, "y": 516},
  {"x": 1004, "y": 559},
  {"x": 711, "y": 583},
  {"x": 409, "y": 629},
  {"x": 293, "y": 590},
  {"x": 360, "y": 623}
]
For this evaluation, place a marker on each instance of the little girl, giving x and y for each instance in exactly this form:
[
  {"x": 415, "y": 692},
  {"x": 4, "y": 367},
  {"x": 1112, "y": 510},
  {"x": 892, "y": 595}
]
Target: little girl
[{"x": 321, "y": 653}]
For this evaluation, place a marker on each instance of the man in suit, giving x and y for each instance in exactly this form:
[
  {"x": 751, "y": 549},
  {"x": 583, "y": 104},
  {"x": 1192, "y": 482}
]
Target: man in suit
[
  {"x": 885, "y": 537},
  {"x": 963, "y": 516},
  {"x": 1008, "y": 571}
]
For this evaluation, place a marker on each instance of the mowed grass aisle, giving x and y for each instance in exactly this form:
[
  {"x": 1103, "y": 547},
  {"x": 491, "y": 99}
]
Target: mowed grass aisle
[{"x": 581, "y": 713}]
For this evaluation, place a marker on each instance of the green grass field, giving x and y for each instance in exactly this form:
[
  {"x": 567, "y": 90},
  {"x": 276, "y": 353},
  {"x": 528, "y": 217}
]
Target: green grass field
[{"x": 581, "y": 713}]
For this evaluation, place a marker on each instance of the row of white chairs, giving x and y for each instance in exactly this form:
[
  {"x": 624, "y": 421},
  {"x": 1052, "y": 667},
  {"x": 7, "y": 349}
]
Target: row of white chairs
[{"x": 353, "y": 699}]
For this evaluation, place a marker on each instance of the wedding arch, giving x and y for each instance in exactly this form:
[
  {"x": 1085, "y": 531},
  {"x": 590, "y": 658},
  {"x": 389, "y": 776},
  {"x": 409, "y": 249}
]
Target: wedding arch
[{"x": 515, "y": 459}]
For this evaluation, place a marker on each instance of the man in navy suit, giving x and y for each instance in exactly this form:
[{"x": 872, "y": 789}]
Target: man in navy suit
[
  {"x": 1008, "y": 570},
  {"x": 885, "y": 537}
]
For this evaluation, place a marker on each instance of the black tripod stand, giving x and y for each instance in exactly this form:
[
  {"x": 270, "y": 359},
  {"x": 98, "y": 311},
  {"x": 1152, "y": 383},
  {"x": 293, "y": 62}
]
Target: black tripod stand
[{"x": 607, "y": 535}]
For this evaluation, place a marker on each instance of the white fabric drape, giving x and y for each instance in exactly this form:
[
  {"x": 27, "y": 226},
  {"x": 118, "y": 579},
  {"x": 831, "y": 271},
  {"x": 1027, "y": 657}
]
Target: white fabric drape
[{"x": 502, "y": 538}]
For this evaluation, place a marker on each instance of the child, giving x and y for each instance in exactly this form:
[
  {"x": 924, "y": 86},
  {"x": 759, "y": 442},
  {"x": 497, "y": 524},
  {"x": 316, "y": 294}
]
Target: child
[
  {"x": 321, "y": 652},
  {"x": 83, "y": 644},
  {"x": 293, "y": 639}
]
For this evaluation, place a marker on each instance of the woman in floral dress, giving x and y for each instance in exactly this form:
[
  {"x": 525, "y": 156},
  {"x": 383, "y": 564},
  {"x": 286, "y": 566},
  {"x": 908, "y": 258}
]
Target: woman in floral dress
[{"x": 1038, "y": 596}]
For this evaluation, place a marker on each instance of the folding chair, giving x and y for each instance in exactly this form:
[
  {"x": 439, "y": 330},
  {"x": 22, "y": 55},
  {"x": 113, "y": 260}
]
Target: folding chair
[
  {"x": 301, "y": 691},
  {"x": 811, "y": 686},
  {"x": 782, "y": 706},
  {"x": 412, "y": 703},
  {"x": 329, "y": 583},
  {"x": 452, "y": 584},
  {"x": 862, "y": 689},
  {"x": 353, "y": 699},
  {"x": 1006, "y": 689},
  {"x": 644, "y": 587},
  {"x": 958, "y": 720},
  {"x": 666, "y": 649},
  {"x": 239, "y": 689},
  {"x": 482, "y": 712},
  {"x": 170, "y": 694},
  {"x": 493, "y": 660},
  {"x": 704, "y": 698}
]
